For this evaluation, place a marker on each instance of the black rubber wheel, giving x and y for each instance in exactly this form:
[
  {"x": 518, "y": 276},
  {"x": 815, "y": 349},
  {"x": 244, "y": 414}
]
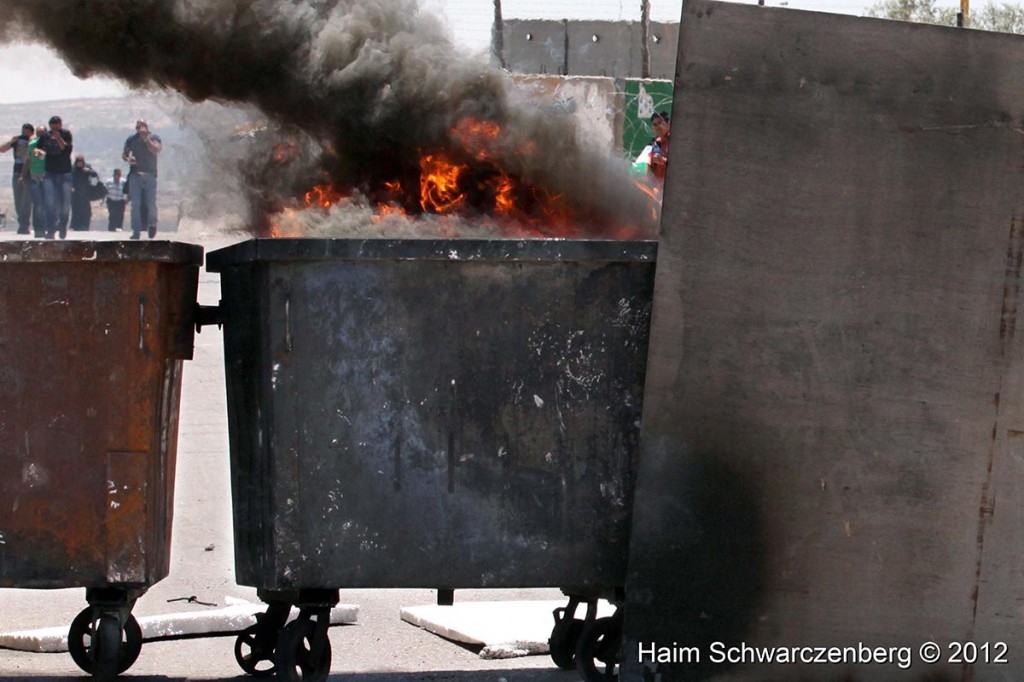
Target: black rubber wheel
[
  {"x": 252, "y": 658},
  {"x": 597, "y": 652},
  {"x": 562, "y": 643},
  {"x": 131, "y": 646},
  {"x": 293, "y": 656},
  {"x": 106, "y": 648},
  {"x": 81, "y": 640}
]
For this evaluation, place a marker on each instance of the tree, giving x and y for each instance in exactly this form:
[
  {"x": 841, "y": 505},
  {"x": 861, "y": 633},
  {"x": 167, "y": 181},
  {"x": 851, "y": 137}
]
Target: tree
[
  {"x": 921, "y": 11},
  {"x": 1005, "y": 17}
]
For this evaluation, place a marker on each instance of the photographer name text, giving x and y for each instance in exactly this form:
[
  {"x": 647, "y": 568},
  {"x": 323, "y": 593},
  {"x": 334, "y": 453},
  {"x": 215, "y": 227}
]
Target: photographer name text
[{"x": 903, "y": 657}]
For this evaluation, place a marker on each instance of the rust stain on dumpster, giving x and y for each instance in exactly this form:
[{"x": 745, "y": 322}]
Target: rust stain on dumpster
[{"x": 88, "y": 420}]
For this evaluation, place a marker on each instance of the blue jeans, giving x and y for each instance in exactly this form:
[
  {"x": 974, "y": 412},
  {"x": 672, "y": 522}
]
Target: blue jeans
[
  {"x": 57, "y": 190},
  {"x": 22, "y": 202},
  {"x": 142, "y": 193},
  {"x": 38, "y": 205}
]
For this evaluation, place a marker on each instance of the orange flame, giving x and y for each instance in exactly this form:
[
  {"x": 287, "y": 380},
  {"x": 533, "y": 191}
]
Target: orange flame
[
  {"x": 390, "y": 209},
  {"x": 439, "y": 183},
  {"x": 504, "y": 203},
  {"x": 323, "y": 196},
  {"x": 654, "y": 197},
  {"x": 286, "y": 224},
  {"x": 477, "y": 136}
]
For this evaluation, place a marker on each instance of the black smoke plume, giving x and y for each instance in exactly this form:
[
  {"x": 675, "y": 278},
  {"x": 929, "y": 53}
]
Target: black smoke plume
[{"x": 354, "y": 92}]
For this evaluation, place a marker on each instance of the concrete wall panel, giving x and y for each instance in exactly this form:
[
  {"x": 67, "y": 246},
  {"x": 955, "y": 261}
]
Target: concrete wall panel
[
  {"x": 833, "y": 433},
  {"x": 604, "y": 48},
  {"x": 535, "y": 46},
  {"x": 568, "y": 47},
  {"x": 664, "y": 46}
]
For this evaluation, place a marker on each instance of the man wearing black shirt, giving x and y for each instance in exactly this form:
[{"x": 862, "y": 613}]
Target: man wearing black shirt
[
  {"x": 141, "y": 150},
  {"x": 57, "y": 183},
  {"x": 22, "y": 194}
]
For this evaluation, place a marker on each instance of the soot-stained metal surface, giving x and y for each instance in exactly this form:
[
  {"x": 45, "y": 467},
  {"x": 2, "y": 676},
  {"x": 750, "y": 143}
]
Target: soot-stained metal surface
[
  {"x": 434, "y": 413},
  {"x": 92, "y": 338},
  {"x": 832, "y": 437}
]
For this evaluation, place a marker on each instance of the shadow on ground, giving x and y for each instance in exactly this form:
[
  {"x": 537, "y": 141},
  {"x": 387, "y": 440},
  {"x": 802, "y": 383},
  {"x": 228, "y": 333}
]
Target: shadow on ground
[{"x": 519, "y": 675}]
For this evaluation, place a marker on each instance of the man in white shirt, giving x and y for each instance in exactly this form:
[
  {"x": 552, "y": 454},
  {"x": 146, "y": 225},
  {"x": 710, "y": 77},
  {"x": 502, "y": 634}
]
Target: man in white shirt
[{"x": 115, "y": 202}]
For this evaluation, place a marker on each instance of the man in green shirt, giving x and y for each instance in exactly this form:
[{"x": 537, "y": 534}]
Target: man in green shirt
[{"x": 33, "y": 173}]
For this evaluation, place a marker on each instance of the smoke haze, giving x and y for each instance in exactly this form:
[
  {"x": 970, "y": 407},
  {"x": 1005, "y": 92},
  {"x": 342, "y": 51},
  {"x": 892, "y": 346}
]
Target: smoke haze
[{"x": 353, "y": 92}]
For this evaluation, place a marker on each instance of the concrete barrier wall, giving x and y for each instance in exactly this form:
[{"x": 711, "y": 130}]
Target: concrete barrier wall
[
  {"x": 833, "y": 432},
  {"x": 569, "y": 47}
]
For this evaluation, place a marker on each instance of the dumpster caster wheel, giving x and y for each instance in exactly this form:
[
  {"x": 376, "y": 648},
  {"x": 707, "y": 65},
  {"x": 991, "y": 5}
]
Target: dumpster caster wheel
[
  {"x": 293, "y": 657},
  {"x": 597, "y": 652},
  {"x": 250, "y": 654},
  {"x": 562, "y": 643},
  {"x": 107, "y": 650}
]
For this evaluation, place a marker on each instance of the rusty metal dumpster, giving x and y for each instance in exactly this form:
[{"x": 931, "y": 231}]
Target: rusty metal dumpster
[
  {"x": 429, "y": 413},
  {"x": 92, "y": 338}
]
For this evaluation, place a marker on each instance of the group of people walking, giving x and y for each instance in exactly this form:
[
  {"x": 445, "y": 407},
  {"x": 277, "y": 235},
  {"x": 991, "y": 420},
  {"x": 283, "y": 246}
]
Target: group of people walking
[{"x": 51, "y": 193}]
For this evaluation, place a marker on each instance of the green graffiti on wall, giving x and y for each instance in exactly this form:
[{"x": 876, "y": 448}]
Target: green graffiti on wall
[{"x": 643, "y": 98}]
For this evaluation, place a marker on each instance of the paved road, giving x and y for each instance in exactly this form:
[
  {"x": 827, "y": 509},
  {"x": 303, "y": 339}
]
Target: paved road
[{"x": 381, "y": 648}]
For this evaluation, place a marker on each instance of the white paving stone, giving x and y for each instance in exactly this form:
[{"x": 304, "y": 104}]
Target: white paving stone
[
  {"x": 236, "y": 617},
  {"x": 505, "y": 629}
]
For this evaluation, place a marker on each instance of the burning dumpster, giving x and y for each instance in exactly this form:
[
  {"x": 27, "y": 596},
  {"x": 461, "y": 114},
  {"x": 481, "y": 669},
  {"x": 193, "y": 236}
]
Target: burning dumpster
[
  {"x": 429, "y": 413},
  {"x": 92, "y": 338}
]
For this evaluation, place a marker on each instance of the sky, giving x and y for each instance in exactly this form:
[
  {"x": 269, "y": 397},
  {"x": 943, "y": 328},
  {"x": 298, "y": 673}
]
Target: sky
[{"x": 30, "y": 73}]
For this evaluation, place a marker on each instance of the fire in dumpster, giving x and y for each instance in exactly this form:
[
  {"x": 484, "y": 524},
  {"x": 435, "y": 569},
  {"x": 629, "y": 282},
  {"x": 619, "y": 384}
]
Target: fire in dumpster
[
  {"x": 440, "y": 189},
  {"x": 370, "y": 114},
  {"x": 322, "y": 196},
  {"x": 471, "y": 187}
]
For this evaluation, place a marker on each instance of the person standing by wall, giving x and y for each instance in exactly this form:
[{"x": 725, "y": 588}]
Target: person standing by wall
[
  {"x": 115, "y": 202},
  {"x": 22, "y": 193},
  {"x": 141, "y": 150},
  {"x": 660, "y": 144},
  {"x": 33, "y": 174},
  {"x": 57, "y": 143}
]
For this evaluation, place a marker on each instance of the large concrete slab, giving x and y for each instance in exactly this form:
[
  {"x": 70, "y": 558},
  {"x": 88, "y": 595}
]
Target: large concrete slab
[{"x": 833, "y": 432}]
